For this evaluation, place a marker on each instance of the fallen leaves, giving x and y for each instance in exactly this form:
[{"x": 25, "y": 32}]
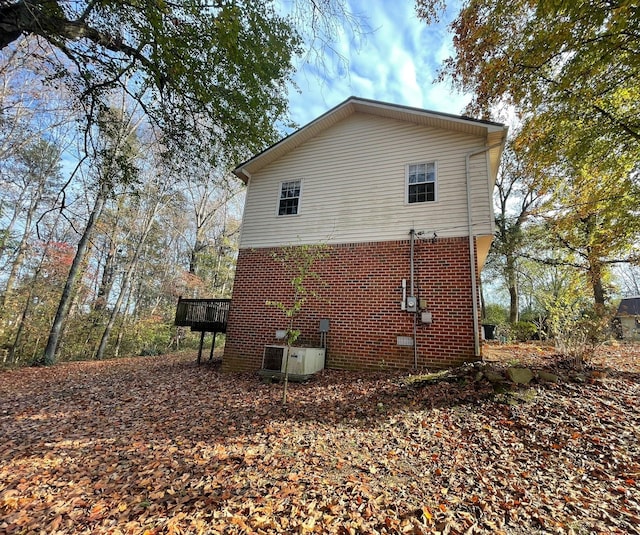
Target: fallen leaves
[{"x": 159, "y": 445}]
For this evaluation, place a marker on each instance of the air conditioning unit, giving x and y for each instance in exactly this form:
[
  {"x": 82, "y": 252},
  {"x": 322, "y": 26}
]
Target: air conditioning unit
[
  {"x": 273, "y": 358},
  {"x": 302, "y": 360}
]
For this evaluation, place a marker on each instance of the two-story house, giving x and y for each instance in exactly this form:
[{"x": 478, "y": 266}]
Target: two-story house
[{"x": 402, "y": 198}]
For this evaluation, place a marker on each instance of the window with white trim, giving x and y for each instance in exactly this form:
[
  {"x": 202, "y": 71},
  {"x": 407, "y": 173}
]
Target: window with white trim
[
  {"x": 289, "y": 202},
  {"x": 421, "y": 182}
]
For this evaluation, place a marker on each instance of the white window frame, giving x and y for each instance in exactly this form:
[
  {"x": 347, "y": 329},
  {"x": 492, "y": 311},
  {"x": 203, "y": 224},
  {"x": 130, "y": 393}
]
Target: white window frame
[
  {"x": 407, "y": 184},
  {"x": 280, "y": 185}
]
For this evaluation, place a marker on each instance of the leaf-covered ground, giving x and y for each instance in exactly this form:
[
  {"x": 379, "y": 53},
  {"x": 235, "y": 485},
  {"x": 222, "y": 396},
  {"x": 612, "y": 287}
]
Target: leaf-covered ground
[{"x": 159, "y": 445}]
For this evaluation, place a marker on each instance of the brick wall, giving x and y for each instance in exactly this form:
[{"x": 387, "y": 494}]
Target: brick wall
[{"x": 361, "y": 290}]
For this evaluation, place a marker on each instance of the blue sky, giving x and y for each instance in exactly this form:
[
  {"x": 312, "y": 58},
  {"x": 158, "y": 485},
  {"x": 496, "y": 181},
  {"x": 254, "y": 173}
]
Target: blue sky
[{"x": 396, "y": 61}]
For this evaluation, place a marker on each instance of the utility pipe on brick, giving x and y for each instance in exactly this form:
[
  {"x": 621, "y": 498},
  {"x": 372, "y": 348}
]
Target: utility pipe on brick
[
  {"x": 472, "y": 255},
  {"x": 412, "y": 235}
]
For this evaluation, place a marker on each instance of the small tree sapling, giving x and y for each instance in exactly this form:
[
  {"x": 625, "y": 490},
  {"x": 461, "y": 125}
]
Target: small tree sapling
[{"x": 297, "y": 262}]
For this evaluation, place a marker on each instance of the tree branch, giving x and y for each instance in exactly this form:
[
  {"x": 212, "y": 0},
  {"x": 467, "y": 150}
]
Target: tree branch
[{"x": 50, "y": 23}]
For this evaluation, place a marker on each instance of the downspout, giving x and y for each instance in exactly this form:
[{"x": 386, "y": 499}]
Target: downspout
[{"x": 472, "y": 247}]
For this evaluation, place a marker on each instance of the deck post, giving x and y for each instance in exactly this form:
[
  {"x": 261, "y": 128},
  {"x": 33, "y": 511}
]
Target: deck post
[
  {"x": 213, "y": 345},
  {"x": 200, "y": 348}
]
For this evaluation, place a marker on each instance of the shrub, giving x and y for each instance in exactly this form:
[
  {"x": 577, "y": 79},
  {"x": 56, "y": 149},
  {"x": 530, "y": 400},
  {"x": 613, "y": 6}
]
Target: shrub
[
  {"x": 495, "y": 314},
  {"x": 523, "y": 331},
  {"x": 578, "y": 329}
]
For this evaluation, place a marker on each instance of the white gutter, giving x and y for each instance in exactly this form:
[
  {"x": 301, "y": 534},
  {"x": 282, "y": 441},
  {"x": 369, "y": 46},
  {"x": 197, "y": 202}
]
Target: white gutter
[{"x": 472, "y": 247}]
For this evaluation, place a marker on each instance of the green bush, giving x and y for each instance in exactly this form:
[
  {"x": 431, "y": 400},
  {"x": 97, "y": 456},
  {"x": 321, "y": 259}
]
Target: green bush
[
  {"x": 495, "y": 314},
  {"x": 523, "y": 331}
]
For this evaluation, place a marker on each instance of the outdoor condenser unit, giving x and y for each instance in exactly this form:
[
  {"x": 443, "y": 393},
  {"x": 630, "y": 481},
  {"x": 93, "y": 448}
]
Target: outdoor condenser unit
[
  {"x": 302, "y": 360},
  {"x": 273, "y": 357}
]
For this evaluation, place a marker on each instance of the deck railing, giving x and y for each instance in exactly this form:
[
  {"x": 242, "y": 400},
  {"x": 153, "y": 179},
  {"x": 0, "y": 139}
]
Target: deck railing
[{"x": 209, "y": 315}]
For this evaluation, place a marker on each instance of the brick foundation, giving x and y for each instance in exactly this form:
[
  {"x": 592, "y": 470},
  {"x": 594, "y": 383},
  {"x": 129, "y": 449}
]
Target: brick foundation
[{"x": 361, "y": 293}]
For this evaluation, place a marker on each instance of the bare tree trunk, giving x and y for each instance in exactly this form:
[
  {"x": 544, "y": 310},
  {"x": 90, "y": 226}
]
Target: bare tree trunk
[
  {"x": 22, "y": 247},
  {"x": 114, "y": 313},
  {"x": 25, "y": 311},
  {"x": 108, "y": 276},
  {"x": 110, "y": 261},
  {"x": 49, "y": 355},
  {"x": 595, "y": 278},
  {"x": 595, "y": 270},
  {"x": 125, "y": 323},
  {"x": 20, "y": 329},
  {"x": 126, "y": 280},
  {"x": 512, "y": 284}
]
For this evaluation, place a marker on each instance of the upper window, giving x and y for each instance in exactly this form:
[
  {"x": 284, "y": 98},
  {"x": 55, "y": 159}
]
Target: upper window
[
  {"x": 421, "y": 182},
  {"x": 289, "y": 202}
]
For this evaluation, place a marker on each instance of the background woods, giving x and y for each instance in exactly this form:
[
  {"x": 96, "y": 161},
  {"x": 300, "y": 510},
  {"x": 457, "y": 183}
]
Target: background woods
[
  {"x": 98, "y": 228},
  {"x": 117, "y": 128}
]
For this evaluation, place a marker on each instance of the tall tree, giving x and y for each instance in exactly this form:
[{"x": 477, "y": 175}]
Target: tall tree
[
  {"x": 516, "y": 195},
  {"x": 115, "y": 153},
  {"x": 576, "y": 59},
  {"x": 40, "y": 170},
  {"x": 593, "y": 217},
  {"x": 208, "y": 74},
  {"x": 29, "y": 118},
  {"x": 571, "y": 72}
]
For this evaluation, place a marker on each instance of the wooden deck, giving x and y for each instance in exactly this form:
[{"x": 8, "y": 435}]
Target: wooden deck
[{"x": 203, "y": 316}]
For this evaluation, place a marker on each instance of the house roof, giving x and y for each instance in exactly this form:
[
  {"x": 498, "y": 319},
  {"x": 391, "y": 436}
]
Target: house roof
[
  {"x": 629, "y": 306},
  {"x": 494, "y": 132}
]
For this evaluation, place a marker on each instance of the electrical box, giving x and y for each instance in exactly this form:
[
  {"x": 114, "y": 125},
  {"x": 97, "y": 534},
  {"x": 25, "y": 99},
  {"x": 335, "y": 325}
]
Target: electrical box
[
  {"x": 412, "y": 304},
  {"x": 426, "y": 317}
]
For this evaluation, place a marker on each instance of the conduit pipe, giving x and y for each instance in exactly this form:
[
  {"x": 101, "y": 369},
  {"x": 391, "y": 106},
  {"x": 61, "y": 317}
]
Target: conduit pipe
[
  {"x": 412, "y": 235},
  {"x": 472, "y": 247}
]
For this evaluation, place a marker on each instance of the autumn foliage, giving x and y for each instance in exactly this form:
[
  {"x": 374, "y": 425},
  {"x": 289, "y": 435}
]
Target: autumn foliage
[{"x": 159, "y": 445}]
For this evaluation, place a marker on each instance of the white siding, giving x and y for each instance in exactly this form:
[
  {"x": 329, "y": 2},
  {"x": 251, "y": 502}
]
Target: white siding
[{"x": 354, "y": 186}]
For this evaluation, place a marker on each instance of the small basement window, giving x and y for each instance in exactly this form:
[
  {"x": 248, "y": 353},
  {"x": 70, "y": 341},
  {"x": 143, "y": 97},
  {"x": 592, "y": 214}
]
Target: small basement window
[
  {"x": 421, "y": 182},
  {"x": 289, "y": 201}
]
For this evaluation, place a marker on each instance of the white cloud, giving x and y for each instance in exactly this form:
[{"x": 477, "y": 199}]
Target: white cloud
[
  {"x": 441, "y": 97},
  {"x": 404, "y": 86},
  {"x": 397, "y": 61}
]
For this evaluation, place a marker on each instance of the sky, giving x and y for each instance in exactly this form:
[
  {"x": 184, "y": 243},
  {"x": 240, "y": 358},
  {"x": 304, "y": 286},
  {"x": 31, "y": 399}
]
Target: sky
[{"x": 396, "y": 61}]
